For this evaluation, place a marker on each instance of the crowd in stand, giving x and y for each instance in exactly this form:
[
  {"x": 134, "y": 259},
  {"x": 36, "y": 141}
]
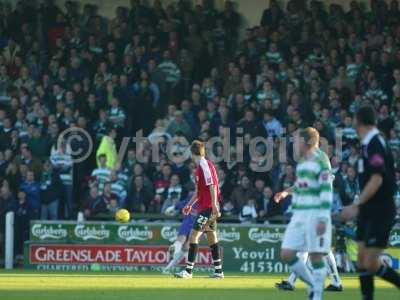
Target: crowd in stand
[{"x": 184, "y": 71}]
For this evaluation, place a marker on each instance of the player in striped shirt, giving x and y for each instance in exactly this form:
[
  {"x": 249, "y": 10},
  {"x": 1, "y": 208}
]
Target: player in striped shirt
[{"x": 310, "y": 229}]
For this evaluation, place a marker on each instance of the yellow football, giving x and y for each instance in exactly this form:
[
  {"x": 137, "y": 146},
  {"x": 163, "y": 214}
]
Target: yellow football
[{"x": 122, "y": 216}]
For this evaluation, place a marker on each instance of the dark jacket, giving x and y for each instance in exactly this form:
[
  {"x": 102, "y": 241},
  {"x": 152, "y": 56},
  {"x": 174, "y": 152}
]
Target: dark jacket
[
  {"x": 32, "y": 190},
  {"x": 50, "y": 187},
  {"x": 138, "y": 198},
  {"x": 95, "y": 205},
  {"x": 6, "y": 205}
]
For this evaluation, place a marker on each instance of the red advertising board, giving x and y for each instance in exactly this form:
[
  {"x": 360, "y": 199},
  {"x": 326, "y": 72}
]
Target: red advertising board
[{"x": 107, "y": 254}]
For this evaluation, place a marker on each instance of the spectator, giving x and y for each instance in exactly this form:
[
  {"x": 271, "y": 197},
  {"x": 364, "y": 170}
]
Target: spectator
[
  {"x": 102, "y": 174},
  {"x": 152, "y": 86},
  {"x": 385, "y": 122},
  {"x": 159, "y": 132},
  {"x": 270, "y": 126},
  {"x": 27, "y": 159},
  {"x": 232, "y": 84},
  {"x": 259, "y": 186},
  {"x": 6, "y": 204},
  {"x": 171, "y": 72},
  {"x": 353, "y": 156},
  {"x": 24, "y": 81},
  {"x": 93, "y": 204},
  {"x": 108, "y": 148},
  {"x": 394, "y": 140},
  {"x": 118, "y": 188},
  {"x": 113, "y": 206},
  {"x": 349, "y": 133},
  {"x": 138, "y": 170},
  {"x": 266, "y": 205},
  {"x": 225, "y": 184},
  {"x": 179, "y": 125},
  {"x": 39, "y": 144},
  {"x": 31, "y": 189},
  {"x": 230, "y": 20},
  {"x": 128, "y": 163},
  {"x": 107, "y": 193},
  {"x": 242, "y": 193},
  {"x": 248, "y": 123},
  {"x": 139, "y": 197},
  {"x": 50, "y": 192},
  {"x": 351, "y": 185},
  {"x": 11, "y": 51},
  {"x": 287, "y": 179},
  {"x": 272, "y": 16},
  {"x": 248, "y": 213},
  {"x": 62, "y": 163},
  {"x": 173, "y": 194},
  {"x": 116, "y": 114},
  {"x": 23, "y": 214},
  {"x": 273, "y": 55}
]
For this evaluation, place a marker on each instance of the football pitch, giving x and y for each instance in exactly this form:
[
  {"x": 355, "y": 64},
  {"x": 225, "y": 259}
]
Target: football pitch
[{"x": 18, "y": 285}]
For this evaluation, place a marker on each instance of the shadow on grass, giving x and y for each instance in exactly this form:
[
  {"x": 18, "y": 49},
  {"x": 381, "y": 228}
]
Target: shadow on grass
[
  {"x": 27, "y": 273},
  {"x": 179, "y": 294}
]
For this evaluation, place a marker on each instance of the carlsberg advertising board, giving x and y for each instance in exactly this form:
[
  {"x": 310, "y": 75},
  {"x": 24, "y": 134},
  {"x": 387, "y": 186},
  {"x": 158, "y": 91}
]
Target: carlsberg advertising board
[{"x": 108, "y": 246}]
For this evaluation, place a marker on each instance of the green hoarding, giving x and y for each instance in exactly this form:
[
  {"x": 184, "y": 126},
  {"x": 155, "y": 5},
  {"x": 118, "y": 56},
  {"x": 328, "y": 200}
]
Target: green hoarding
[{"x": 246, "y": 248}]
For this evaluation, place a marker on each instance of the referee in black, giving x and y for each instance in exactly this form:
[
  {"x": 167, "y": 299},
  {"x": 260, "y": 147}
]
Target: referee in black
[{"x": 375, "y": 210}]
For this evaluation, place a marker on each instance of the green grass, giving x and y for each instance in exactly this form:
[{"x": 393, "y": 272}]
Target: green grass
[{"x": 16, "y": 285}]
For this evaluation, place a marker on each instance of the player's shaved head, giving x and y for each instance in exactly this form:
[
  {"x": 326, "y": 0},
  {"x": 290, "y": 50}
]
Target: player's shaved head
[
  {"x": 310, "y": 135},
  {"x": 198, "y": 148}
]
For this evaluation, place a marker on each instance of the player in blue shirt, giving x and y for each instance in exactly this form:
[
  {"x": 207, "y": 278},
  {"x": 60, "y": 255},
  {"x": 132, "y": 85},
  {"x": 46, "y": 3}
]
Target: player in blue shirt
[{"x": 181, "y": 245}]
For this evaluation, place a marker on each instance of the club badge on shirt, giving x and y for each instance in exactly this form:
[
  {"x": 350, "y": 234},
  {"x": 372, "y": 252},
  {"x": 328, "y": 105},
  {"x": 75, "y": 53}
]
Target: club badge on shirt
[
  {"x": 376, "y": 160},
  {"x": 325, "y": 176}
]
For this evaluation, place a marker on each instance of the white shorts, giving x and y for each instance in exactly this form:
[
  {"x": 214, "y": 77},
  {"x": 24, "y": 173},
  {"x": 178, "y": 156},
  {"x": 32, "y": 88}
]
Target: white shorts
[{"x": 301, "y": 235}]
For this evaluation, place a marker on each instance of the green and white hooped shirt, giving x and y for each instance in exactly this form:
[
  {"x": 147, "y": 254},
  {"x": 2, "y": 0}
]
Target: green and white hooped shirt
[{"x": 313, "y": 189}]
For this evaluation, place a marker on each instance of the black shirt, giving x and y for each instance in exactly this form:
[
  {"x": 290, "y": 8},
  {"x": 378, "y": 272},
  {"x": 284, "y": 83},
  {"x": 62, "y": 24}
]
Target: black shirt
[{"x": 377, "y": 159}]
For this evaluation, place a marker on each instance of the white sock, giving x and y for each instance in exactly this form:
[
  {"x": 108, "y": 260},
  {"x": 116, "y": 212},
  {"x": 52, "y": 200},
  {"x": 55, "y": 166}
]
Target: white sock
[
  {"x": 303, "y": 256},
  {"x": 178, "y": 255},
  {"x": 301, "y": 270},
  {"x": 339, "y": 258},
  {"x": 332, "y": 269},
  {"x": 175, "y": 260},
  {"x": 319, "y": 274},
  {"x": 292, "y": 278},
  {"x": 177, "y": 247}
]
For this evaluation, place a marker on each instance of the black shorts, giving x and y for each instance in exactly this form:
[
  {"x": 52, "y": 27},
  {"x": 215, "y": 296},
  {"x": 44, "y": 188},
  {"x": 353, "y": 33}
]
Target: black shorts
[
  {"x": 205, "y": 222},
  {"x": 373, "y": 232}
]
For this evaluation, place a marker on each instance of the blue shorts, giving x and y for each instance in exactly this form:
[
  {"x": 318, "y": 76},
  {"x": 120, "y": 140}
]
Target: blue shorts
[{"x": 186, "y": 225}]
